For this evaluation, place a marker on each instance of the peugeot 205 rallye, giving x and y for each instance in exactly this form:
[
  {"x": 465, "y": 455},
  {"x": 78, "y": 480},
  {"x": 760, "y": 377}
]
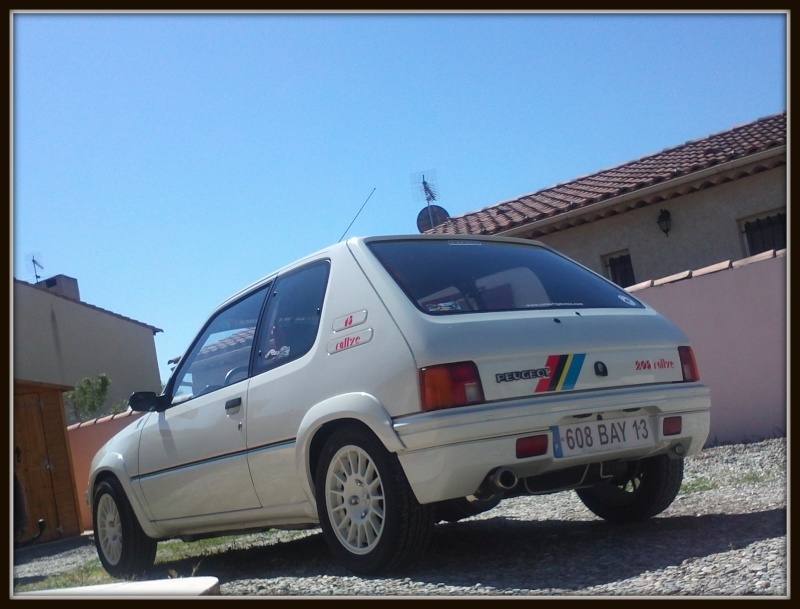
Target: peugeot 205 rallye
[{"x": 385, "y": 384}]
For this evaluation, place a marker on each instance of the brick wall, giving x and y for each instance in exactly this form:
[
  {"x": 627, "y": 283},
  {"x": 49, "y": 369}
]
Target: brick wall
[{"x": 85, "y": 440}]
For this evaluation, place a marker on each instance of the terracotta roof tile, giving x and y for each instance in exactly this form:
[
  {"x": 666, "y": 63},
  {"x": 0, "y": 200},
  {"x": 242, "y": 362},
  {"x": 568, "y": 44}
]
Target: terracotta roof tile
[{"x": 693, "y": 156}]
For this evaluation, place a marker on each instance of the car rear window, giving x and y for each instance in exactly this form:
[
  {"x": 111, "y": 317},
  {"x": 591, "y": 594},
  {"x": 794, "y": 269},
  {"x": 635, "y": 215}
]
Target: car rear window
[{"x": 444, "y": 277}]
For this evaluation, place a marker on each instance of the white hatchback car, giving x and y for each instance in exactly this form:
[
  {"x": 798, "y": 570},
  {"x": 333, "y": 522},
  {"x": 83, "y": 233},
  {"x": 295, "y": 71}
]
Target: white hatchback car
[{"x": 385, "y": 384}]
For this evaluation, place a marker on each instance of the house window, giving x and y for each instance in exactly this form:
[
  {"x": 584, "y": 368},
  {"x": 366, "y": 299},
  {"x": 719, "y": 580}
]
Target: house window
[
  {"x": 765, "y": 233},
  {"x": 619, "y": 269}
]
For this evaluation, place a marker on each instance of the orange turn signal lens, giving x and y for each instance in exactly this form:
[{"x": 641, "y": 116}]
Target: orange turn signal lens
[{"x": 450, "y": 385}]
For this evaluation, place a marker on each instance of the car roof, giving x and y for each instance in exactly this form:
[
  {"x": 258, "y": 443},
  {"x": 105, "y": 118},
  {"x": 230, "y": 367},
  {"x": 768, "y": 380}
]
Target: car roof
[{"x": 356, "y": 243}]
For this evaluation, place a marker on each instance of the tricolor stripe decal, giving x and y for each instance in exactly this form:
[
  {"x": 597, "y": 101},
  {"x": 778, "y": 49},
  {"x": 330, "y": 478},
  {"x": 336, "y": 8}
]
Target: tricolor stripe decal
[{"x": 564, "y": 372}]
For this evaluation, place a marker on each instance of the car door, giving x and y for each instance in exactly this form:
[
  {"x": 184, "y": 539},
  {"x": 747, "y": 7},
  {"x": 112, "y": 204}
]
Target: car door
[
  {"x": 282, "y": 384},
  {"x": 192, "y": 456}
]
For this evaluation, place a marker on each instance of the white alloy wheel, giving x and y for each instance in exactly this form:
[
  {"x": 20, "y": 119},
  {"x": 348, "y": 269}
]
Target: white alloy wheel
[
  {"x": 124, "y": 549},
  {"x": 369, "y": 515},
  {"x": 109, "y": 529},
  {"x": 355, "y": 500}
]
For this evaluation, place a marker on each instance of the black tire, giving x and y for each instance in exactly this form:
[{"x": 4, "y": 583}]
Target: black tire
[
  {"x": 649, "y": 487},
  {"x": 124, "y": 549},
  {"x": 454, "y": 510},
  {"x": 369, "y": 516}
]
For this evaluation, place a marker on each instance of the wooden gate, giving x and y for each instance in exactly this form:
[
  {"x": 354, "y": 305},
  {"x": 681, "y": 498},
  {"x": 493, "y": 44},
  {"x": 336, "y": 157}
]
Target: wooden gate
[{"x": 43, "y": 465}]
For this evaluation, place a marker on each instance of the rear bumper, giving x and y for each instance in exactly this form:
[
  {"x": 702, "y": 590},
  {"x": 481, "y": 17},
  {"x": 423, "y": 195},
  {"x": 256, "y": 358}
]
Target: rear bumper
[{"x": 449, "y": 453}]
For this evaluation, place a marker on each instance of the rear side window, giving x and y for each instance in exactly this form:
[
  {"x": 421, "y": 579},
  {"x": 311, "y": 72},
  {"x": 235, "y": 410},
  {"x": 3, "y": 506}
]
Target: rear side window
[
  {"x": 292, "y": 317},
  {"x": 461, "y": 276}
]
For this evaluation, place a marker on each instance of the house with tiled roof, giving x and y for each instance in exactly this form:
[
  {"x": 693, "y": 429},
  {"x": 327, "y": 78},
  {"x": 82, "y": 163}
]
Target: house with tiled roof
[
  {"x": 697, "y": 231},
  {"x": 719, "y": 197},
  {"x": 58, "y": 340}
]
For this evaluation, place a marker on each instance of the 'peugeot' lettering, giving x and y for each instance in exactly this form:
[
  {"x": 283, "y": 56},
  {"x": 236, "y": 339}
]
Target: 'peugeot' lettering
[{"x": 522, "y": 375}]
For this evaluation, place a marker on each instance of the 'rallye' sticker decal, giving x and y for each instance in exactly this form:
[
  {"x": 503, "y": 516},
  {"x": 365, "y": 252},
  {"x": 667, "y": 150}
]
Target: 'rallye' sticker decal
[{"x": 337, "y": 345}]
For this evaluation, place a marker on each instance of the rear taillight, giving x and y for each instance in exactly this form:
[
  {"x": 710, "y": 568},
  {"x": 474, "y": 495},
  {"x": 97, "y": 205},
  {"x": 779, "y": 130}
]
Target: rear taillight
[
  {"x": 688, "y": 364},
  {"x": 450, "y": 385}
]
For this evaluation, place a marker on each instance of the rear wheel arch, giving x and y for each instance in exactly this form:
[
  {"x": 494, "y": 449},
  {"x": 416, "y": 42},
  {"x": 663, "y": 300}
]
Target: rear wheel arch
[
  {"x": 326, "y": 431},
  {"x": 361, "y": 410}
]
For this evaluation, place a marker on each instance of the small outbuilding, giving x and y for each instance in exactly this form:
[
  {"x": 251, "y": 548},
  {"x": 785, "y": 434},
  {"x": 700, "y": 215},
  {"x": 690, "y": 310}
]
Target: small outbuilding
[{"x": 58, "y": 340}]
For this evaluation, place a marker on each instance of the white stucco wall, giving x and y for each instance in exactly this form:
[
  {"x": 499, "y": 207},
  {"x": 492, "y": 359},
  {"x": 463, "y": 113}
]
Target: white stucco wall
[
  {"x": 736, "y": 322},
  {"x": 705, "y": 228},
  {"x": 60, "y": 341}
]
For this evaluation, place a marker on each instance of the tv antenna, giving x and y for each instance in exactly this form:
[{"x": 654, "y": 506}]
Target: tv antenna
[
  {"x": 35, "y": 266},
  {"x": 428, "y": 190},
  {"x": 430, "y": 215}
]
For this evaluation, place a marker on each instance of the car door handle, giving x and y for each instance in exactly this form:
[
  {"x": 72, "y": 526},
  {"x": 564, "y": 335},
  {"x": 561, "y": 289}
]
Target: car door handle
[{"x": 234, "y": 403}]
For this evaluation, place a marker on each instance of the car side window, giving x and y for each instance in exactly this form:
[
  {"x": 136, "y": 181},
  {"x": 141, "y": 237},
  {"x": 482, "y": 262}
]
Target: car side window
[
  {"x": 291, "y": 320},
  {"x": 221, "y": 354}
]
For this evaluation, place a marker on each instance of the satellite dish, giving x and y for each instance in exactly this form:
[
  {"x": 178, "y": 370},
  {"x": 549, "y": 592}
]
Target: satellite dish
[{"x": 430, "y": 216}]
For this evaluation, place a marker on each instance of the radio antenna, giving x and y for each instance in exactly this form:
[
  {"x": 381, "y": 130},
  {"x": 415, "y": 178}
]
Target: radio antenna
[{"x": 354, "y": 219}]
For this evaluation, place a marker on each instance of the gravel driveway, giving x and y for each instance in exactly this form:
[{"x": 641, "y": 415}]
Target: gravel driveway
[{"x": 725, "y": 535}]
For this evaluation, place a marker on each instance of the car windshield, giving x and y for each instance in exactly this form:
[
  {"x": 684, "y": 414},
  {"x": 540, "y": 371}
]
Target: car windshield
[{"x": 444, "y": 277}]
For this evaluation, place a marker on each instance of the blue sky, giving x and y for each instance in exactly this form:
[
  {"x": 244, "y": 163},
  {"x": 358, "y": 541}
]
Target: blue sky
[{"x": 168, "y": 160}]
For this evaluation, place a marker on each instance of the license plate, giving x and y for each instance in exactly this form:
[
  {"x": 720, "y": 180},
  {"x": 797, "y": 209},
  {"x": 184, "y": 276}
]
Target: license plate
[{"x": 600, "y": 436}]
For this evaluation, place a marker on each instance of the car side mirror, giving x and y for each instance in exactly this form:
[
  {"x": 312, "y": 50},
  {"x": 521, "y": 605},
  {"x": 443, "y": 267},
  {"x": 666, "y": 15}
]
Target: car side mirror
[{"x": 146, "y": 401}]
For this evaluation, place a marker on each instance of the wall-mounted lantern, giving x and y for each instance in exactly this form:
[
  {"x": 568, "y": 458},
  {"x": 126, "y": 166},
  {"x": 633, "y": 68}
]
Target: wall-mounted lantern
[{"x": 665, "y": 221}]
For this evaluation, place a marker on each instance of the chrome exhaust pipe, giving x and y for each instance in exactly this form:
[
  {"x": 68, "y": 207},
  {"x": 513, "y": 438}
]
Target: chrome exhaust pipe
[
  {"x": 497, "y": 482},
  {"x": 503, "y": 478}
]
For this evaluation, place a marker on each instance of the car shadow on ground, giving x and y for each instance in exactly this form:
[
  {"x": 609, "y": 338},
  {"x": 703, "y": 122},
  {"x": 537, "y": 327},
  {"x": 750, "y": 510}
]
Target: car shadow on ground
[
  {"x": 575, "y": 555},
  {"x": 558, "y": 554}
]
